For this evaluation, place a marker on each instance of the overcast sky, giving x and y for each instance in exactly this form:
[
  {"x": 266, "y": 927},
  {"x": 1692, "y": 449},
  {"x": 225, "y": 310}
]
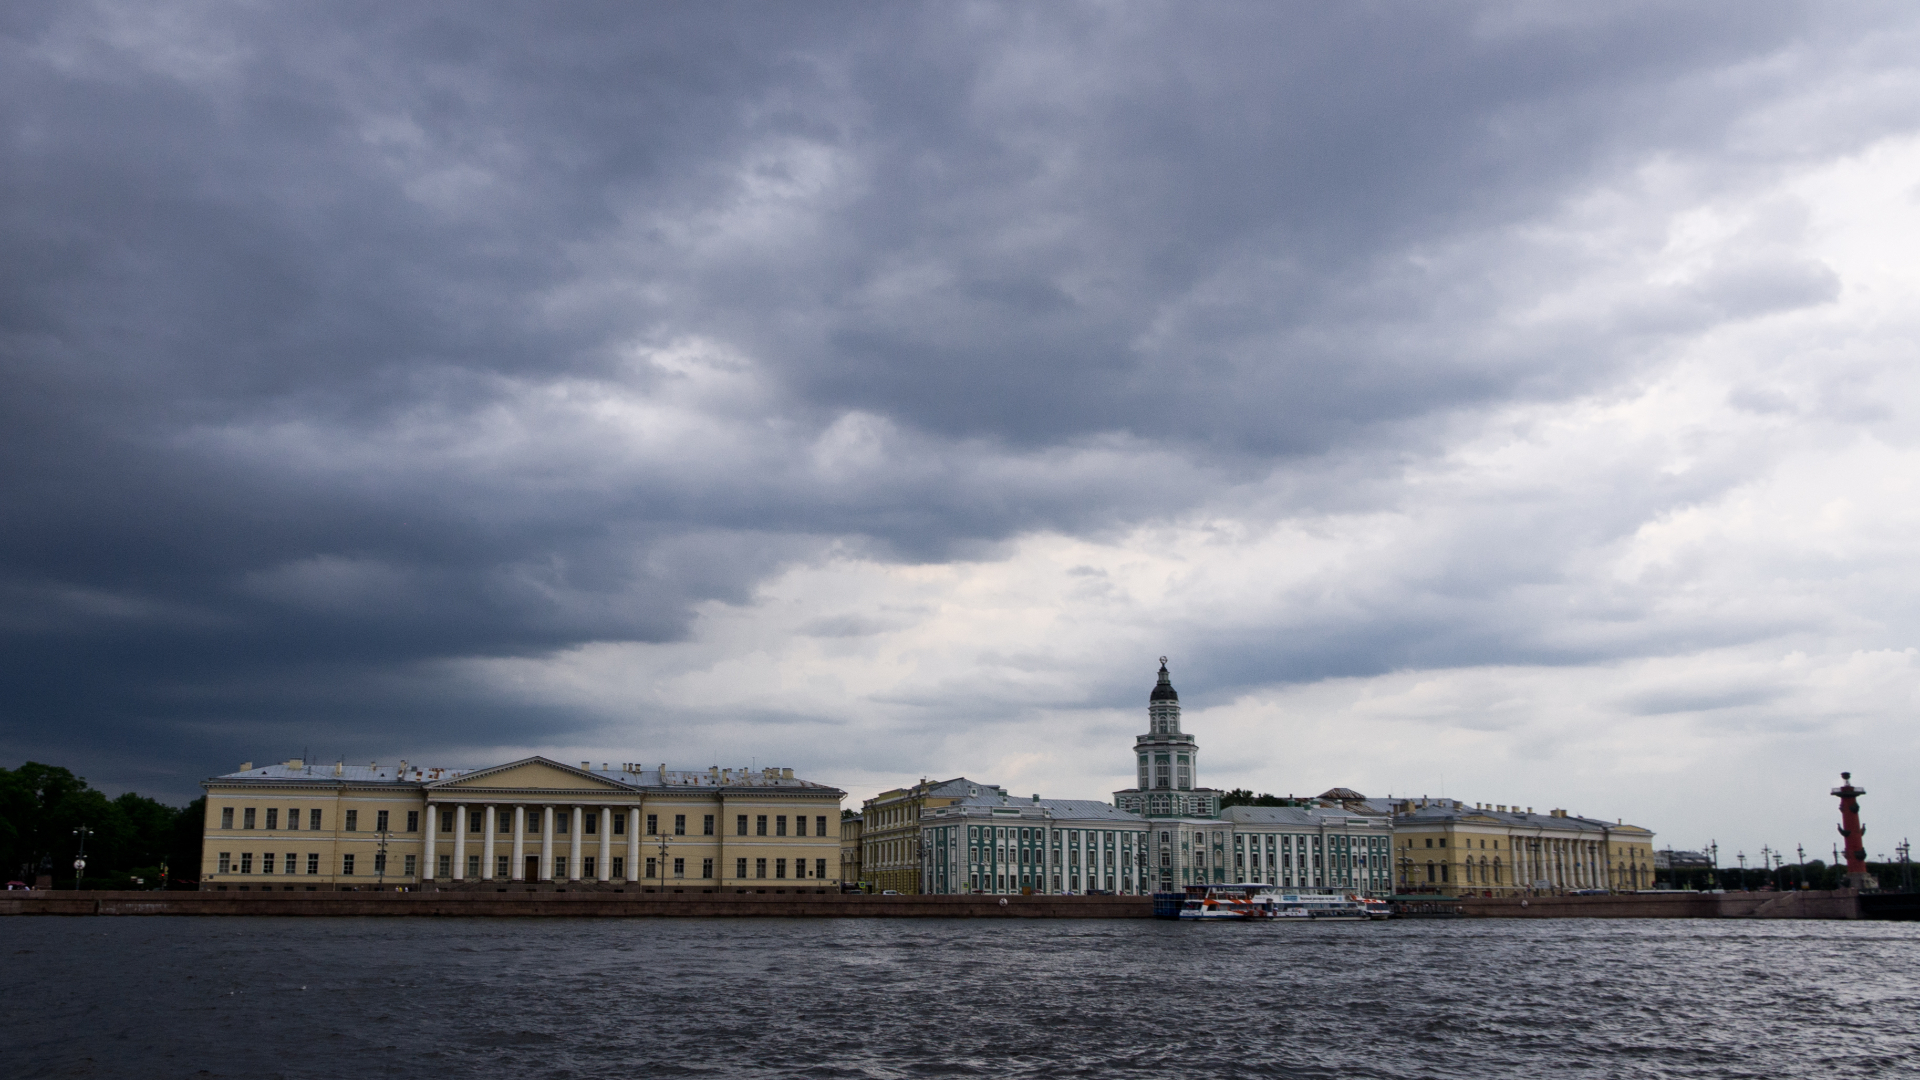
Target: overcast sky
[{"x": 1511, "y": 402}]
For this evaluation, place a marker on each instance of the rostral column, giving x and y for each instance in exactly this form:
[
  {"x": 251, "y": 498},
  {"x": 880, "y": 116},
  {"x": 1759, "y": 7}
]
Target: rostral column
[{"x": 1851, "y": 831}]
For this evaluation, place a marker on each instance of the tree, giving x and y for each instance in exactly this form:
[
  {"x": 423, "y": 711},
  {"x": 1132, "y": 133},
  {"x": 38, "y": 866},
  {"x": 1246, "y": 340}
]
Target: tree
[{"x": 130, "y": 836}]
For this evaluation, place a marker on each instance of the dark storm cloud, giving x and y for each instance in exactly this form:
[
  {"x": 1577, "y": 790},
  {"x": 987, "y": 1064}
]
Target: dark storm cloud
[{"x": 280, "y": 284}]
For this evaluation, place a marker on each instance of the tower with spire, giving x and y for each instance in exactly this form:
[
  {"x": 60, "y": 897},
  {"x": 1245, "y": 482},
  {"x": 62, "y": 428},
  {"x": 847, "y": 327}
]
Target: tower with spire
[{"x": 1167, "y": 763}]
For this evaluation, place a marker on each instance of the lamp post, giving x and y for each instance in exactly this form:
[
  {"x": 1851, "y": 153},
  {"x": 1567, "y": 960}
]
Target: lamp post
[
  {"x": 663, "y": 862},
  {"x": 380, "y": 862},
  {"x": 80, "y": 858}
]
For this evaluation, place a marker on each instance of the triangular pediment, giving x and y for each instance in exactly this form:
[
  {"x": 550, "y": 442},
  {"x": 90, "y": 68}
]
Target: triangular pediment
[{"x": 534, "y": 773}]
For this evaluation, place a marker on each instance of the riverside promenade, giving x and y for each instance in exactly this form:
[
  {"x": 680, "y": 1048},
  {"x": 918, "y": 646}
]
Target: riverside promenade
[{"x": 547, "y": 903}]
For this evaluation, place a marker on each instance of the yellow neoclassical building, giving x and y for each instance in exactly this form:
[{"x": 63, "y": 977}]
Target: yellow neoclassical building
[
  {"x": 533, "y": 823},
  {"x": 1444, "y": 846}
]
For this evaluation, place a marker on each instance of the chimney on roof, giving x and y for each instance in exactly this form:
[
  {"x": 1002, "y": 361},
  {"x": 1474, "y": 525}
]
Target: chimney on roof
[
  {"x": 786, "y": 774},
  {"x": 586, "y": 766},
  {"x": 338, "y": 767},
  {"x": 246, "y": 766},
  {"x": 295, "y": 763},
  {"x": 1036, "y": 798}
]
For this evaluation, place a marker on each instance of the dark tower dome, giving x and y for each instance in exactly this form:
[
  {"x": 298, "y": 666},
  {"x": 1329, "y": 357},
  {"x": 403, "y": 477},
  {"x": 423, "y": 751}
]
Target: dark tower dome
[{"x": 1163, "y": 690}]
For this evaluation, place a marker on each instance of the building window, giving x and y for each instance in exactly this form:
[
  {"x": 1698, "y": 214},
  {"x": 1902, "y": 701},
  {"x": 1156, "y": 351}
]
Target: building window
[
  {"x": 589, "y": 866},
  {"x": 413, "y": 821},
  {"x": 266, "y": 863},
  {"x": 353, "y": 821},
  {"x": 820, "y": 868},
  {"x": 620, "y": 868},
  {"x": 779, "y": 868},
  {"x": 226, "y": 817},
  {"x": 820, "y": 825},
  {"x": 226, "y": 862},
  {"x": 476, "y": 821},
  {"x": 706, "y": 868},
  {"x": 313, "y": 862},
  {"x": 346, "y": 862},
  {"x": 559, "y": 867},
  {"x": 562, "y": 821},
  {"x": 706, "y": 827},
  {"x": 619, "y": 824},
  {"x": 780, "y": 825},
  {"x": 760, "y": 825},
  {"x": 473, "y": 866},
  {"x": 273, "y": 817},
  {"x": 409, "y": 865},
  {"x": 590, "y": 823},
  {"x": 740, "y": 828},
  {"x": 800, "y": 825},
  {"x": 740, "y": 865},
  {"x": 759, "y": 868},
  {"x": 679, "y": 867},
  {"x": 533, "y": 821},
  {"x": 652, "y": 867},
  {"x": 446, "y": 821},
  {"x": 445, "y": 867},
  {"x": 379, "y": 862},
  {"x": 293, "y": 817},
  {"x": 506, "y": 821},
  {"x": 501, "y": 868},
  {"x": 653, "y": 824},
  {"x": 679, "y": 824},
  {"x": 380, "y": 820},
  {"x": 247, "y": 818}
]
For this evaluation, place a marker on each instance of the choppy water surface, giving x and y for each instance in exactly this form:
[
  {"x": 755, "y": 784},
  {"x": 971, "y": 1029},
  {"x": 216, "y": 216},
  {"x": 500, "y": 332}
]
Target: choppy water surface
[{"x": 158, "y": 997}]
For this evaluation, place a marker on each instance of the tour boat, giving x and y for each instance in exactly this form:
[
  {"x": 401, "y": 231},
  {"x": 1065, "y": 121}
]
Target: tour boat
[{"x": 1260, "y": 901}]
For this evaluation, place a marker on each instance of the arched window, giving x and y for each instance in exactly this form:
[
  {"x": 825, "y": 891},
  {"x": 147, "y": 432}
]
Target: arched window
[
  {"x": 1496, "y": 871},
  {"x": 1430, "y": 872}
]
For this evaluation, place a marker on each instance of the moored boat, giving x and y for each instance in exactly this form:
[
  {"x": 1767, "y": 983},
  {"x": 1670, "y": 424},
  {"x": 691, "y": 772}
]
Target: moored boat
[{"x": 1259, "y": 901}]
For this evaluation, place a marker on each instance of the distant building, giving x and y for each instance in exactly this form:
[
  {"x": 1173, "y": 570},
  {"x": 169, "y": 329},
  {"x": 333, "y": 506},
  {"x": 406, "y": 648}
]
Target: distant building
[
  {"x": 1322, "y": 846},
  {"x": 850, "y": 847},
  {"x": 1448, "y": 847},
  {"x": 528, "y": 823},
  {"x": 1187, "y": 843},
  {"x": 989, "y": 842},
  {"x": 890, "y": 856},
  {"x": 1683, "y": 861}
]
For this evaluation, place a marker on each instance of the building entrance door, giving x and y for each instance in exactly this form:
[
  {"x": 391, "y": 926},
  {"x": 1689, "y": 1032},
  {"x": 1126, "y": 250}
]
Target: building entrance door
[{"x": 533, "y": 868}]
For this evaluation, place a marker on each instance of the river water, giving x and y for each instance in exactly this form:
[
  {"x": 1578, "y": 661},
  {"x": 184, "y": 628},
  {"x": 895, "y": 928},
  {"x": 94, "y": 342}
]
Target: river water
[{"x": 259, "y": 997}]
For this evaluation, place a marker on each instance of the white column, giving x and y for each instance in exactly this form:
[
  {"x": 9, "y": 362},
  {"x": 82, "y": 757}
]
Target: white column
[
  {"x": 605, "y": 866},
  {"x": 517, "y": 870},
  {"x": 433, "y": 830},
  {"x": 546, "y": 843},
  {"x": 633, "y": 843},
  {"x": 573, "y": 854},
  {"x": 490, "y": 825},
  {"x": 459, "y": 843}
]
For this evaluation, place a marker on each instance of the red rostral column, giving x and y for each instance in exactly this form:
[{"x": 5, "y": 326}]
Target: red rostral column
[{"x": 1851, "y": 831}]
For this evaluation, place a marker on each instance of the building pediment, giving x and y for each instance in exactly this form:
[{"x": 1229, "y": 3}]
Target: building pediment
[{"x": 529, "y": 774}]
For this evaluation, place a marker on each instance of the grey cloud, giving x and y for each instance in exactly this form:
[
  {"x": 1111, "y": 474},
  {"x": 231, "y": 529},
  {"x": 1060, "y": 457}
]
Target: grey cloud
[{"x": 1077, "y": 264}]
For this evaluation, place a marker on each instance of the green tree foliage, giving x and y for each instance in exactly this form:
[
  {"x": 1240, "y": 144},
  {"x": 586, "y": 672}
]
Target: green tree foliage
[
  {"x": 130, "y": 836},
  {"x": 1246, "y": 797}
]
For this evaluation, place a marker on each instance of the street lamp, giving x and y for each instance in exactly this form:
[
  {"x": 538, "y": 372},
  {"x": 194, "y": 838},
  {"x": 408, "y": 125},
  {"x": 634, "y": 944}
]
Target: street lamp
[
  {"x": 380, "y": 862},
  {"x": 663, "y": 862},
  {"x": 80, "y": 859}
]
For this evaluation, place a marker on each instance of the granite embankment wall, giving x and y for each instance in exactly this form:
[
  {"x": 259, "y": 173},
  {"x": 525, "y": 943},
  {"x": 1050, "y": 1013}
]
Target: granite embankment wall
[
  {"x": 577, "y": 904},
  {"x": 1807, "y": 904},
  {"x": 1843, "y": 904}
]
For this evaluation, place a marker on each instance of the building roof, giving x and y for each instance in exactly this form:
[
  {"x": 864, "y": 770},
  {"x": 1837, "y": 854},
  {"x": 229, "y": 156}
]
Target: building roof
[
  {"x": 1163, "y": 690},
  {"x": 629, "y": 774},
  {"x": 1298, "y": 817},
  {"x": 1450, "y": 811},
  {"x": 992, "y": 804}
]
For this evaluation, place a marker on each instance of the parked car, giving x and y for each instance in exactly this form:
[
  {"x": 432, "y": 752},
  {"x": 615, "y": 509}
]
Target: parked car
[
  {"x": 19, "y": 886},
  {"x": 888, "y": 892}
]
